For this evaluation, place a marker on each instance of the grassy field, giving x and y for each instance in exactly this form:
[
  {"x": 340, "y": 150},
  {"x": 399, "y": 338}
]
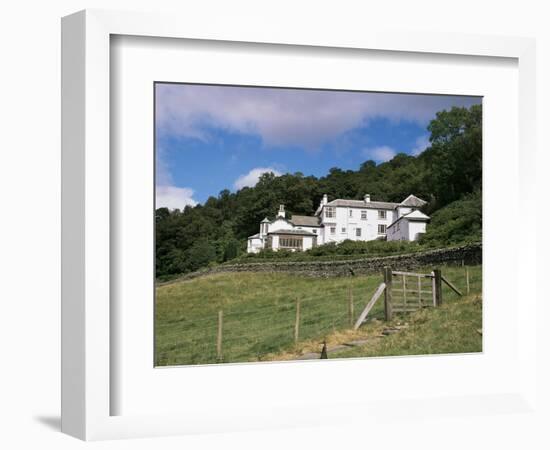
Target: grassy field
[
  {"x": 452, "y": 328},
  {"x": 259, "y": 312}
]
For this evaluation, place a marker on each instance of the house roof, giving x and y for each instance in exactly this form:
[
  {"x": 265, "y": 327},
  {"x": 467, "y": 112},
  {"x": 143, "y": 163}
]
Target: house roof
[
  {"x": 362, "y": 204},
  {"x": 413, "y": 216},
  {"x": 413, "y": 200},
  {"x": 296, "y": 232},
  {"x": 257, "y": 235},
  {"x": 416, "y": 215},
  {"x": 306, "y": 221},
  {"x": 266, "y": 220},
  {"x": 284, "y": 219}
]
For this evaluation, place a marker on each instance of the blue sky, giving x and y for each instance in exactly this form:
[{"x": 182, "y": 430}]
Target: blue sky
[{"x": 211, "y": 138}]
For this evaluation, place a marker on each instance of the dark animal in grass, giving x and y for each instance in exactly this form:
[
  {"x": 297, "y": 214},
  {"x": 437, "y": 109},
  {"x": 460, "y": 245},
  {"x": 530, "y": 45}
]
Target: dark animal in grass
[{"x": 324, "y": 351}]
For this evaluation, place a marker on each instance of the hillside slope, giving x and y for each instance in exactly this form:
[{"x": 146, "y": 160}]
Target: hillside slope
[{"x": 259, "y": 313}]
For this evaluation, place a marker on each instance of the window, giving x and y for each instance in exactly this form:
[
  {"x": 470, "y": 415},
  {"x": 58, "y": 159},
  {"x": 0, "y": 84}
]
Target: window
[
  {"x": 343, "y": 229},
  {"x": 351, "y": 212},
  {"x": 382, "y": 214},
  {"x": 364, "y": 214},
  {"x": 381, "y": 229},
  {"x": 290, "y": 242},
  {"x": 332, "y": 230},
  {"x": 358, "y": 232},
  {"x": 329, "y": 212},
  {"x": 397, "y": 226}
]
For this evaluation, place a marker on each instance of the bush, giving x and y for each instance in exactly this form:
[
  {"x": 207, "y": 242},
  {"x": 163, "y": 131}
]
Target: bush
[
  {"x": 349, "y": 247},
  {"x": 200, "y": 254},
  {"x": 231, "y": 250},
  {"x": 459, "y": 222},
  {"x": 332, "y": 250},
  {"x": 270, "y": 254}
]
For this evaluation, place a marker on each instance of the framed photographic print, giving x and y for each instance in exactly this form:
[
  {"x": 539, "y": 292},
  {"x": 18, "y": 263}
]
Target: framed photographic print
[
  {"x": 253, "y": 217},
  {"x": 310, "y": 238}
]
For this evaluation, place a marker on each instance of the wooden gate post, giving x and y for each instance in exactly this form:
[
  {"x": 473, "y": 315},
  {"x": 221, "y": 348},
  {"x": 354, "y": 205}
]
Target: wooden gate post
[
  {"x": 388, "y": 309},
  {"x": 438, "y": 287},
  {"x": 220, "y": 333}
]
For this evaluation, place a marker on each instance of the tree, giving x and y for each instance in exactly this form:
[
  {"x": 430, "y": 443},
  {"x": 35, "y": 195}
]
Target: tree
[{"x": 454, "y": 160}]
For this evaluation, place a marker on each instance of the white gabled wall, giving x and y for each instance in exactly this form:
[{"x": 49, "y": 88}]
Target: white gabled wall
[
  {"x": 279, "y": 224},
  {"x": 314, "y": 230},
  {"x": 307, "y": 242},
  {"x": 368, "y": 226},
  {"x": 415, "y": 228},
  {"x": 406, "y": 230},
  {"x": 402, "y": 210},
  {"x": 399, "y": 231},
  {"x": 254, "y": 245}
]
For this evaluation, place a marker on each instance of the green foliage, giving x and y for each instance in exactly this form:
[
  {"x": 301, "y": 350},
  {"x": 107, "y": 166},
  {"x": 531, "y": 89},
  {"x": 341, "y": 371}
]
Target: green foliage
[
  {"x": 447, "y": 171},
  {"x": 270, "y": 254},
  {"x": 454, "y": 160},
  {"x": 200, "y": 254},
  {"x": 458, "y": 222},
  {"x": 366, "y": 248},
  {"x": 231, "y": 249}
]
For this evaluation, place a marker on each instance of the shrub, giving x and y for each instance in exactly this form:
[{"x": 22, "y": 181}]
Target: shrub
[{"x": 458, "y": 222}]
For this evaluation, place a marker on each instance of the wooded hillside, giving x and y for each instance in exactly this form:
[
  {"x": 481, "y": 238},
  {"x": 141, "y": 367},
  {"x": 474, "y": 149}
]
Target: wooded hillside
[{"x": 447, "y": 175}]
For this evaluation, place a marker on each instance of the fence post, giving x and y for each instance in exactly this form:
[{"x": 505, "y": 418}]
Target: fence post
[
  {"x": 419, "y": 292},
  {"x": 438, "y": 288},
  {"x": 404, "y": 292},
  {"x": 220, "y": 335},
  {"x": 297, "y": 323},
  {"x": 388, "y": 310},
  {"x": 467, "y": 280},
  {"x": 350, "y": 306}
]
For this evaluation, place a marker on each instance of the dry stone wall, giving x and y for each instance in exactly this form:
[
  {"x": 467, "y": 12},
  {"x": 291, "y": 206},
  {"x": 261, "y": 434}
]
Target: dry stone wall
[{"x": 470, "y": 254}]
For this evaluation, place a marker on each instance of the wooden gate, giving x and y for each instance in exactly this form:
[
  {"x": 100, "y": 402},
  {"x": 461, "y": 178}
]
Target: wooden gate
[{"x": 407, "y": 292}]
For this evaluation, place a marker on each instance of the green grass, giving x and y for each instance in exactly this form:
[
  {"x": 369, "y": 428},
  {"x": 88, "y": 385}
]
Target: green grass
[
  {"x": 451, "y": 328},
  {"x": 259, "y": 313}
]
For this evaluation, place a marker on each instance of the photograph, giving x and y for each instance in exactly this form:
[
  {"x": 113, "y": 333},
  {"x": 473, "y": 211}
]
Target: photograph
[{"x": 297, "y": 224}]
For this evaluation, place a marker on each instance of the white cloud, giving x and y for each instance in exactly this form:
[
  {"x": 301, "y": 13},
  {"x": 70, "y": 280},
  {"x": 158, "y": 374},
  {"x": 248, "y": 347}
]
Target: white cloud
[
  {"x": 379, "y": 154},
  {"x": 421, "y": 144},
  {"x": 251, "y": 178},
  {"x": 173, "y": 197},
  {"x": 307, "y": 118}
]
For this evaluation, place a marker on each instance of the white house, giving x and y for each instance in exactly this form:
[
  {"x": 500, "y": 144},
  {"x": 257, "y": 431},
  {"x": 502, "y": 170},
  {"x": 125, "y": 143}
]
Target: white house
[{"x": 338, "y": 220}]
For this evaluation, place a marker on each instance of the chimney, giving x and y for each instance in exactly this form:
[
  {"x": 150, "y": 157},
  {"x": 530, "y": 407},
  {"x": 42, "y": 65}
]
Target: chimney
[
  {"x": 367, "y": 198},
  {"x": 325, "y": 199},
  {"x": 281, "y": 212}
]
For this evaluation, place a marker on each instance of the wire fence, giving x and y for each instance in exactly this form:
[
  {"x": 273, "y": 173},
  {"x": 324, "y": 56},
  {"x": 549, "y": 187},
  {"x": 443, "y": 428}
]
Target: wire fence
[{"x": 250, "y": 334}]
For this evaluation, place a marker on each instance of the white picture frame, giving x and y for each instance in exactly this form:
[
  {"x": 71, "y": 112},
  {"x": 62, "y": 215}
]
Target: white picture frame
[{"x": 87, "y": 354}]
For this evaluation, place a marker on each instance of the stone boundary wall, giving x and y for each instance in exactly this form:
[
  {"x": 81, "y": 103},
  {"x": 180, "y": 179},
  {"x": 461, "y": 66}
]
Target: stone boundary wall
[{"x": 470, "y": 254}]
